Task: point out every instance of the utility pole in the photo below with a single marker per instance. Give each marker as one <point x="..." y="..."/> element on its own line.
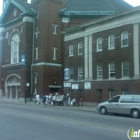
<point x="23" y="63"/>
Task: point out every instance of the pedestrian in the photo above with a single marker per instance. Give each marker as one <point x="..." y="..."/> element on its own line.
<point x="68" y="98"/>
<point x="54" y="97"/>
<point x="47" y="99"/>
<point x="44" y="99"/>
<point x="51" y="99"/>
<point x="37" y="99"/>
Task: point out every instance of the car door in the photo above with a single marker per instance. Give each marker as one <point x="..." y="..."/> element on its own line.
<point x="112" y="106"/>
<point x="125" y="104"/>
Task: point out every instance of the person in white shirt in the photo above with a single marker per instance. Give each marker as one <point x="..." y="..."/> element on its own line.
<point x="37" y="99"/>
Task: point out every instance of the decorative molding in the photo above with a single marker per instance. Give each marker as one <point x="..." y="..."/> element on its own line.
<point x="104" y="24"/>
<point x="47" y="64"/>
<point x="11" y="65"/>
<point x="27" y="19"/>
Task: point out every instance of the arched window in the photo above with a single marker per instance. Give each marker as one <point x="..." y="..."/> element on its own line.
<point x="15" y="49"/>
<point x="71" y="50"/>
<point x="124" y="39"/>
<point x="80" y="48"/>
<point x="111" y="42"/>
<point x="99" y="44"/>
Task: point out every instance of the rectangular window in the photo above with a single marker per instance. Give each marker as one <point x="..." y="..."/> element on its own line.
<point x="80" y="48"/>
<point x="99" y="71"/>
<point x="112" y="70"/>
<point x="124" y="42"/>
<point x="111" y="93"/>
<point x="71" y="73"/>
<point x="125" y="91"/>
<point x="80" y="73"/>
<point x="125" y="69"/>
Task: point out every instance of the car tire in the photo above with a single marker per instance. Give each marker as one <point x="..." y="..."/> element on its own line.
<point x="103" y="110"/>
<point x="135" y="113"/>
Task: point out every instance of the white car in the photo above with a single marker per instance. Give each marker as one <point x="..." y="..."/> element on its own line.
<point x="121" y="104"/>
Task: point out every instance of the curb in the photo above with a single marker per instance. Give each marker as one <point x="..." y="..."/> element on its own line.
<point x="85" y="108"/>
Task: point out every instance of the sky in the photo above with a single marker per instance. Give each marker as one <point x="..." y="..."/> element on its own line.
<point x="132" y="2"/>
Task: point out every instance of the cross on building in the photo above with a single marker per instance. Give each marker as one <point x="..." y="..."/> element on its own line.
<point x="36" y="33"/>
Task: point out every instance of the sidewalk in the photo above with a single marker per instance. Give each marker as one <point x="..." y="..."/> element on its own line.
<point x="32" y="103"/>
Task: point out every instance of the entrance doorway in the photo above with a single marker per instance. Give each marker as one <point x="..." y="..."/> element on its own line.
<point x="54" y="90"/>
<point x="12" y="87"/>
<point x="99" y="92"/>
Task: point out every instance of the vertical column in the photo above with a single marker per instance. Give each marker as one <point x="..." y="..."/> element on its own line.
<point x="86" y="57"/>
<point x="10" y="92"/>
<point x="136" y="50"/>
<point x="90" y="58"/>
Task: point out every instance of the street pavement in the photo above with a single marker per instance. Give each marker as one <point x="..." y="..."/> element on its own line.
<point x="32" y="103"/>
<point x="29" y="121"/>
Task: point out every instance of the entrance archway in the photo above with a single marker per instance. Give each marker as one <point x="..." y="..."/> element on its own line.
<point x="12" y="87"/>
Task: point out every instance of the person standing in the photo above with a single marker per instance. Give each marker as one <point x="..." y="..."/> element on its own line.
<point x="47" y="99"/>
<point x="37" y="99"/>
<point x="54" y="97"/>
<point x="44" y="99"/>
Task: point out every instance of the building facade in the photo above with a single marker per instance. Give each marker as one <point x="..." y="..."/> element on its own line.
<point x="32" y="46"/>
<point x="102" y="57"/>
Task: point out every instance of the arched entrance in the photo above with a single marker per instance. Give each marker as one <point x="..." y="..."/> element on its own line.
<point x="12" y="87"/>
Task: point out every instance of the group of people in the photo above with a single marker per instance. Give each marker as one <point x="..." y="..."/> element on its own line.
<point x="54" y="99"/>
<point x="58" y="100"/>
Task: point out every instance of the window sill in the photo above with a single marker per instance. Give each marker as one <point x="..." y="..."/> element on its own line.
<point x="98" y="50"/>
<point x="111" y="78"/>
<point x="111" y="48"/>
<point x="54" y="33"/>
<point x="80" y="54"/>
<point x="124" y="46"/>
<point x="125" y="77"/>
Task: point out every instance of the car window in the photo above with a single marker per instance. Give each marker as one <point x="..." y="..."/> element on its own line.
<point x="115" y="99"/>
<point x="126" y="99"/>
<point x="136" y="99"/>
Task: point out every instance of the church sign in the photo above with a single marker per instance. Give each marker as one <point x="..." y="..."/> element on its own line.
<point x="67" y="84"/>
<point x="74" y="86"/>
<point x="87" y="85"/>
<point x="66" y="74"/>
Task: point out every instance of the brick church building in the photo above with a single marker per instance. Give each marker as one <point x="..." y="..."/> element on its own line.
<point x="33" y="56"/>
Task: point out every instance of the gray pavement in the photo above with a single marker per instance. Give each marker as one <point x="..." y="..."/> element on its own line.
<point x="32" y="103"/>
